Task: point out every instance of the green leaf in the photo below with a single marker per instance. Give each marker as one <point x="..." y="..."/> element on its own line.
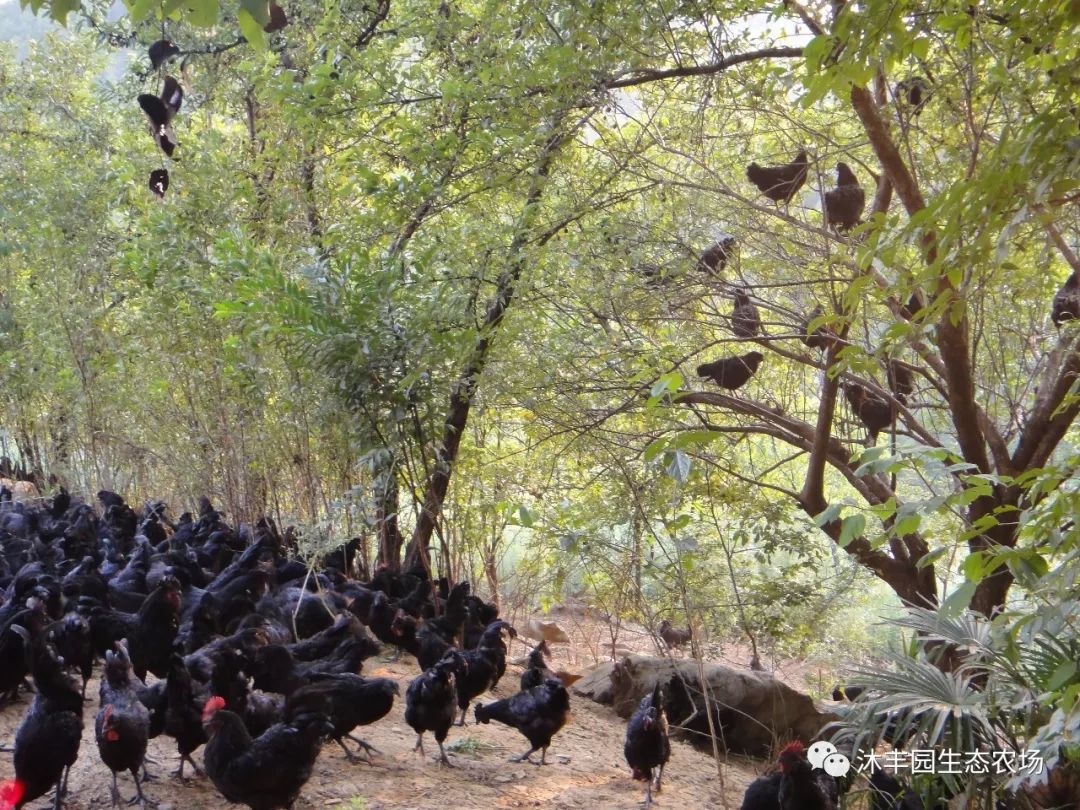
<point x="252" y="29"/>
<point x="932" y="557"/>
<point x="1062" y="675"/>
<point x="678" y="466"/>
<point x="974" y="566"/>
<point x="831" y="513"/>
<point x="59" y="9"/>
<point x="258" y="9"/>
<point x="958" y="600"/>
<point x="851" y="529"/>
<point x="203" y="13"/>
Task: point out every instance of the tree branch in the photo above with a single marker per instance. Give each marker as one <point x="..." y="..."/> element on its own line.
<point x="656" y="75"/>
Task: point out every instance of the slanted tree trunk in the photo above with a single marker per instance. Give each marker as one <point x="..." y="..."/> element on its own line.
<point x="464" y="389"/>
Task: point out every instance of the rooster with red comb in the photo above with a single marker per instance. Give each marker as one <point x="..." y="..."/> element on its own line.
<point x="266" y="772"/>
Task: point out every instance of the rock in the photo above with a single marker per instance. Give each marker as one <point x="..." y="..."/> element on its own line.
<point x="750" y="709"/>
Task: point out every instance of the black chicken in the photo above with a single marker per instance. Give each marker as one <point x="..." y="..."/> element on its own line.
<point x="845" y="203"/>
<point x="715" y="258"/>
<point x="803" y="787"/>
<point x="351" y="701"/>
<point x="745" y="319"/>
<point x="871" y="410"/>
<point x="821" y="337"/>
<point x="278" y="19"/>
<point x="160" y="110"/>
<point x="47" y="742"/>
<point x="913" y="92"/>
<point x="159" y="182"/>
<point x="537" y="671"/>
<point x="482" y="665"/>
<point x="122" y="726"/>
<point x="901" y="380"/>
<point x="763" y="793"/>
<point x="538" y="714"/>
<point x="732" y="372"/>
<point x="71" y="638"/>
<point x="647" y="748"/>
<point x="183" y="713"/>
<point x="841" y="692"/>
<point x="673" y="637"/>
<point x="888" y="793"/>
<point x="150" y="632"/>
<point x="780" y="183"/>
<point x="161" y="52"/>
<point x="431" y="699"/>
<point x="266" y="772"/>
<point x="1067" y="301"/>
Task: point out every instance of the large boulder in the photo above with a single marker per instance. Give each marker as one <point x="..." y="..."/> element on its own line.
<point x="750" y="710"/>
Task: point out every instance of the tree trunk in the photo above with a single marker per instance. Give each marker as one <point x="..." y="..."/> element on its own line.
<point x="461" y="397"/>
<point x="385" y="490"/>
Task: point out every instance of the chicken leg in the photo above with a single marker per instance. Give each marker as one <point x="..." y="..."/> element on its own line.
<point x="442" y="757"/>
<point x="527" y="756"/>
<point x="368" y="747"/>
<point x="349" y="755"/>
<point x="139" y="798"/>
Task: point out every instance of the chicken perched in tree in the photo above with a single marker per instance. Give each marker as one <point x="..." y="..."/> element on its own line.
<point x="780" y="183"/>
<point x="159" y="182"/>
<point x="160" y="110"/>
<point x="161" y="52"/>
<point x="351" y="701"/>
<point x="821" y="337"/>
<point x="122" y="726"/>
<point x="431" y="699"/>
<point x="913" y="306"/>
<point x="647" y="748"/>
<point x="47" y="742"/>
<point x="871" y="410"/>
<point x="803" y="787"/>
<point x="914" y="92"/>
<point x="715" y="258"/>
<point x="845" y="203"/>
<point x="745" y="319"/>
<point x="538" y="714"/>
<point x="1067" y="301"/>
<point x="901" y="380"/>
<point x="266" y="772"/>
<point x="732" y="372"/>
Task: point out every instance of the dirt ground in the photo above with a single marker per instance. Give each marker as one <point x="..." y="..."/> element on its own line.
<point x="585" y="766"/>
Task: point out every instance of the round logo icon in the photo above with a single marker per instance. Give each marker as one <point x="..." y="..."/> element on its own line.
<point x="817" y="752"/>
<point x="837" y="765"/>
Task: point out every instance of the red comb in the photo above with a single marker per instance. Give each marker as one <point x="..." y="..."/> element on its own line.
<point x="11" y="794"/>
<point x="212" y="705"/>
<point x="795" y="747"/>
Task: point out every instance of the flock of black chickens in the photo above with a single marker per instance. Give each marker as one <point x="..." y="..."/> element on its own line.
<point x="876" y="408"/>
<point x="255" y="656"/>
